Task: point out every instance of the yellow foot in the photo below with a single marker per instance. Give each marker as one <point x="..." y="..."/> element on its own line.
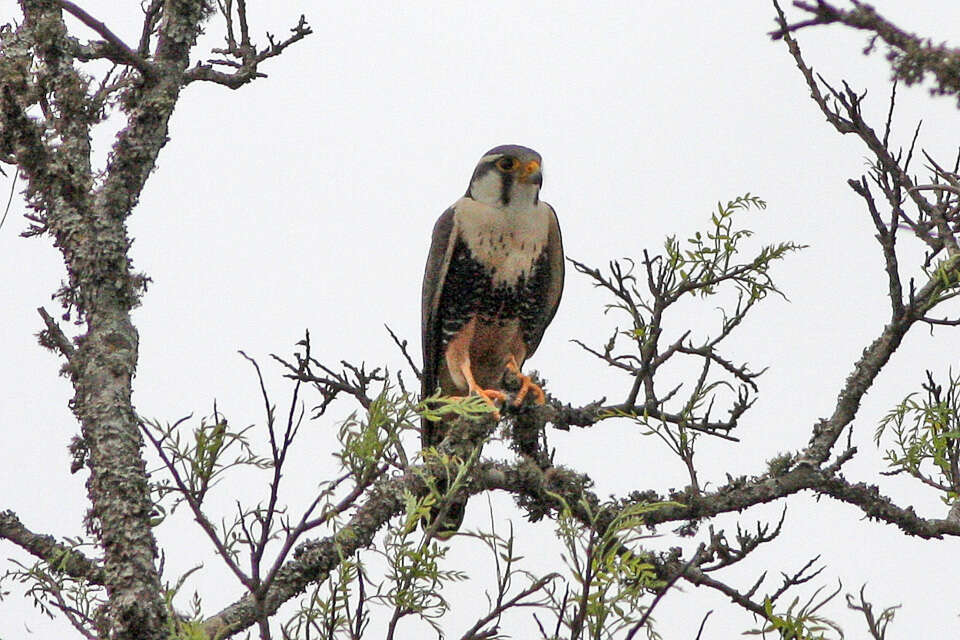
<point x="526" y="385"/>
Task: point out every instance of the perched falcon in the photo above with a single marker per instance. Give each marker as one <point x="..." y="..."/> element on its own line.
<point x="492" y="284"/>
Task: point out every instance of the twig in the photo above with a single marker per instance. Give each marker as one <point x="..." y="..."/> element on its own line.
<point x="516" y="601"/>
<point x="127" y="55"/>
<point x="198" y="513"/>
<point x="694" y="576"/>
<point x="403" y="349"/>
<point x="57" y="337"/>
<point x="149" y="24"/>
<point x="13" y="186"/>
<point x="911" y="57"/>
<point x="248" y="69"/>
<point x="887" y="239"/>
<point x="703" y="624"/>
<point x="662" y="592"/>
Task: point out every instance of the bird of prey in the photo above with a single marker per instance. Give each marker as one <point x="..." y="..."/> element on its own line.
<point x="492" y="284"/>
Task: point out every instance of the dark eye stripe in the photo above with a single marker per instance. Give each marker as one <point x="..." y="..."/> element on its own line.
<point x="505" y="185"/>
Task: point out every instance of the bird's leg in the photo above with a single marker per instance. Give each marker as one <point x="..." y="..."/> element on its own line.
<point x="526" y="385"/>
<point x="458" y="361"/>
<point x="490" y="395"/>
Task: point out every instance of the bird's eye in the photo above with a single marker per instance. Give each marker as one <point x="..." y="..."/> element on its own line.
<point x="506" y="164"/>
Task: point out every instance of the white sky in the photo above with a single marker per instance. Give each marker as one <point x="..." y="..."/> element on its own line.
<point x="306" y="201"/>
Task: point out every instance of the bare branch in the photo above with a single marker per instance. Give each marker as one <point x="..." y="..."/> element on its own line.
<point x="877" y="625"/>
<point x="695" y="576"/>
<point x="125" y="55"/>
<point x="402" y="345"/>
<point x="877" y="354"/>
<point x="887" y="239"/>
<point x="474" y="632"/>
<point x="248" y="69"/>
<point x="150" y="18"/>
<point x="946" y="322"/>
<point x="565" y="416"/>
<point x="54" y="336"/>
<point x="851" y="121"/>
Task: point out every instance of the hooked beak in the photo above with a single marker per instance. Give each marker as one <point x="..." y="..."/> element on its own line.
<point x="531" y="173"/>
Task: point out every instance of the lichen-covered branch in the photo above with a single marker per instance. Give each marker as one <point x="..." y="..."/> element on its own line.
<point x="46" y="96"/>
<point x="911" y="57"/>
<point x="542" y="492"/>
<point x="121" y="52"/>
<point x="62" y="558"/>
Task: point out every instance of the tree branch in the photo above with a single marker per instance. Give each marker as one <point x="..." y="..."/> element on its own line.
<point x="59" y="557"/>
<point x="912" y="57"/>
<point x="54" y="336"/>
<point x="125" y="55"/>
<point x="248" y="69"/>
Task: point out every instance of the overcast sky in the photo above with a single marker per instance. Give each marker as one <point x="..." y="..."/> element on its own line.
<point x="306" y="200"/>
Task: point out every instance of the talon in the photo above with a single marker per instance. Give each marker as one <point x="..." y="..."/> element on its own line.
<point x="491" y="396"/>
<point x="526" y="385"/>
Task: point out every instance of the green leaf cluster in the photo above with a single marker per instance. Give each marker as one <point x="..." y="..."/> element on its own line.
<point x="610" y="574"/>
<point x="707" y="259"/>
<point x="367" y="440"/>
<point x="201" y="456"/>
<point x="800" y="621"/>
<point x="328" y="611"/>
<point x="437" y="407"/>
<point x="925" y="429"/>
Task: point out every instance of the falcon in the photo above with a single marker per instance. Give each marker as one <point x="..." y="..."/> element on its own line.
<point x="491" y="286"/>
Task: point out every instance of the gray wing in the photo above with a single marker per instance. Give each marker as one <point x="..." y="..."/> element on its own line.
<point x="554" y="289"/>
<point x="441" y="248"/>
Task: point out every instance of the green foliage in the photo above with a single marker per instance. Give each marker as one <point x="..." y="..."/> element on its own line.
<point x="436" y="407"/>
<point x="926" y="436"/>
<point x="54" y="592"/>
<point x="342" y="607"/>
<point x="414" y="578"/>
<point x="365" y="442"/>
<point x="184" y="626"/>
<point x="328" y="611"/>
<point x="800" y="623"/>
<point x="610" y="577"/>
<point x="707" y="264"/>
<point x="201" y="458"/>
<point x="946" y="274"/>
<point x="454" y="470"/>
<point x="707" y="259"/>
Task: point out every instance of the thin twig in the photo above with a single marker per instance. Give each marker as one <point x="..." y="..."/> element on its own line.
<point x="127" y="55"/>
<point x="13" y="186"/>
<point x="662" y="592"/>
<point x="403" y="349"/>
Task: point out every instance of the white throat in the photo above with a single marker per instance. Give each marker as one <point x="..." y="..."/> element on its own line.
<point x="507" y="239"/>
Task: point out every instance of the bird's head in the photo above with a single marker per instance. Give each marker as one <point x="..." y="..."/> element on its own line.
<point x="507" y="176"/>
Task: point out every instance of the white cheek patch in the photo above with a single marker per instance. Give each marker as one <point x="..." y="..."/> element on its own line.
<point x="487" y="188"/>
